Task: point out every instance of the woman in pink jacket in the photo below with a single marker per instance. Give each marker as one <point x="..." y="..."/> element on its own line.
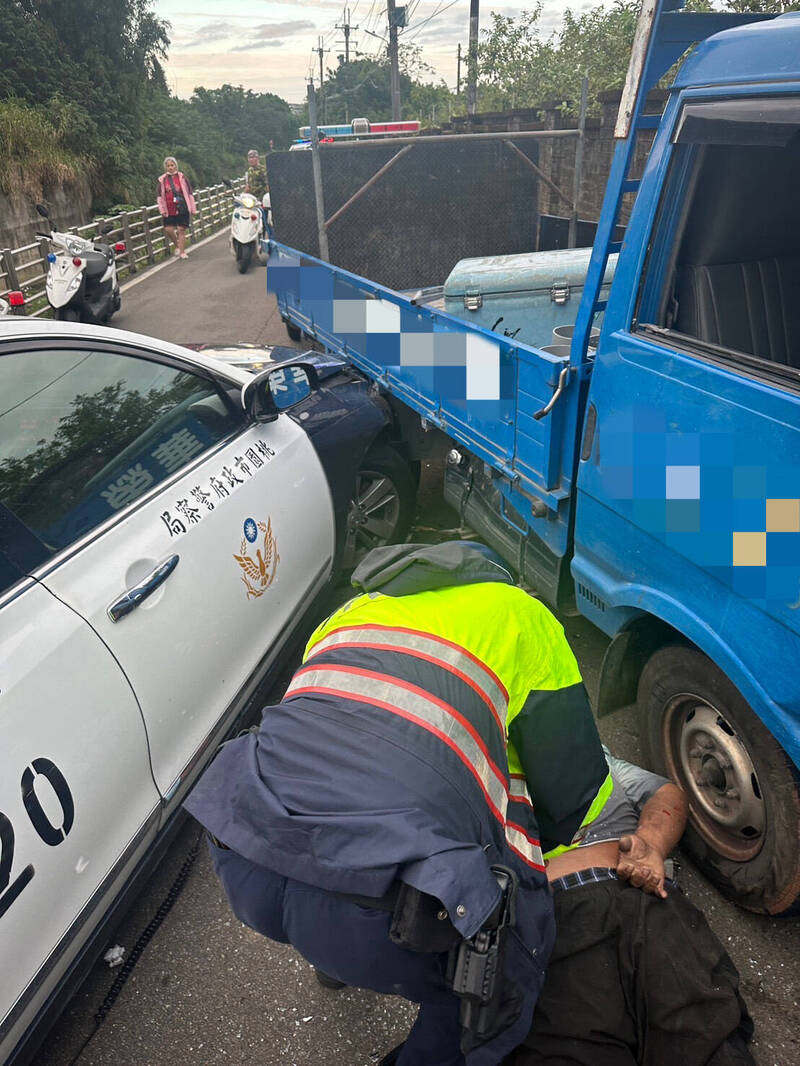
<point x="176" y="204"/>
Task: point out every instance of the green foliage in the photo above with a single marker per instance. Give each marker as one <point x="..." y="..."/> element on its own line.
<point x="362" y="88"/>
<point x="82" y="89"/>
<point x="525" y="69"/>
<point x="760" y="7"/>
<point x="37" y="151"/>
<point x="518" y="67"/>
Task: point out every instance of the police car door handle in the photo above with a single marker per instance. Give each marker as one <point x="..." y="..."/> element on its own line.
<point x="133" y="597"/>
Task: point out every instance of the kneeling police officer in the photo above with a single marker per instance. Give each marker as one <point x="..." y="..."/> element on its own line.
<point x="388" y="817"/>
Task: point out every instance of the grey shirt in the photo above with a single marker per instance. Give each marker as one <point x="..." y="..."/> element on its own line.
<point x="633" y="787"/>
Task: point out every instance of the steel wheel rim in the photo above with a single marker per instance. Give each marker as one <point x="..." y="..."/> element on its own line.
<point x="705" y="755"/>
<point x="373" y="514"/>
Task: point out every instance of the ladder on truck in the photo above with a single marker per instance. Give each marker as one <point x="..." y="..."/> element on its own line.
<point x="664" y="31"/>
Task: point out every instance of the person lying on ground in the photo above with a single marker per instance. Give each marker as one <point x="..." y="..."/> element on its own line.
<point x="636" y="977"/>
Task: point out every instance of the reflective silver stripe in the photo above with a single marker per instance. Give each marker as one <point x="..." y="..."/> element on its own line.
<point x="518" y="789"/>
<point x="526" y="847"/>
<point x="435" y="649"/>
<point x="414" y="704"/>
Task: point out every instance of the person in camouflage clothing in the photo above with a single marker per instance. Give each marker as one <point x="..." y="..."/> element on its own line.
<point x="256" y="176"/>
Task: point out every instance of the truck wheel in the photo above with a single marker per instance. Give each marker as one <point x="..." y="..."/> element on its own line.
<point x="382" y="505"/>
<point x="744" y="802"/>
<point x="66" y="314"/>
<point x="243" y="258"/>
<point x="295" y="333"/>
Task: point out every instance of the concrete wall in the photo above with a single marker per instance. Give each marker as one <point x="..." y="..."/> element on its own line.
<point x="557" y="157"/>
<point x="70" y="205"/>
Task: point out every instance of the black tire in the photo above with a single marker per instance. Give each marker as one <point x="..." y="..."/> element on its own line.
<point x="244" y="256"/>
<point x="381" y="508"/>
<point x="744" y="802"/>
<point x="294" y="332"/>
<point x="66" y="314"/>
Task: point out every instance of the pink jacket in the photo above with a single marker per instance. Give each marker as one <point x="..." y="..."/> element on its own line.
<point x="185" y="189"/>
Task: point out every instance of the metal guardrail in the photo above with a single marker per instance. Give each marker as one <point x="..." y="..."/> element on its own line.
<point x="141" y="231"/>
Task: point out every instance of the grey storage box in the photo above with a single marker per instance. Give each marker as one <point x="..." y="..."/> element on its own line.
<point x="531" y="292"/>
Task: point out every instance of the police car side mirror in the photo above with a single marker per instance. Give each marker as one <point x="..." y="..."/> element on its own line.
<point x="278" y="389"/>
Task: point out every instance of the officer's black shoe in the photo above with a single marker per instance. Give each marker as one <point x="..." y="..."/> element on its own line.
<point x="328" y="982"/>
<point x="392" y="1057"/>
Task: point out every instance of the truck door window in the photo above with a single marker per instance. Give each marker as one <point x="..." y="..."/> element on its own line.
<point x="727" y="286"/>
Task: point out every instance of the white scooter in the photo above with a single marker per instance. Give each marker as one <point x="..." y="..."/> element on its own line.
<point x="82" y="283"/>
<point x="247" y="229"/>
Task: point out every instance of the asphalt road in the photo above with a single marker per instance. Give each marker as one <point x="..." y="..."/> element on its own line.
<point x="206" y="989"/>
<point x="201" y="299"/>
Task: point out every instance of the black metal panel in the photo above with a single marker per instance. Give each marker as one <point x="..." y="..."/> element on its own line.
<point x="438" y="204"/>
<point x="554" y="233"/>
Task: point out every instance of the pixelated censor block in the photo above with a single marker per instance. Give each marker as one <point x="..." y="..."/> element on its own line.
<point x="431" y="356"/>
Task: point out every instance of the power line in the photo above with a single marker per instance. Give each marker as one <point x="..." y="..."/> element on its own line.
<point x="439" y="10"/>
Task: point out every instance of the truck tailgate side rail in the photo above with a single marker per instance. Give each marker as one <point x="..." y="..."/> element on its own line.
<point x="459" y="377"/>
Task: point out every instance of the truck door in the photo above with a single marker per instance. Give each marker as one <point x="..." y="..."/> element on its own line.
<point x="689" y="497"/>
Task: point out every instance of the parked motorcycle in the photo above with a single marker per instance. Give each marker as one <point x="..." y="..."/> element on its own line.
<point x="247" y="229"/>
<point x="82" y="283"/>
<point x="13" y="303"/>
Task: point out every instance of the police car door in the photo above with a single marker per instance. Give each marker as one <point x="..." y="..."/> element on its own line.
<point x="78" y="806"/>
<point x="190" y="538"/>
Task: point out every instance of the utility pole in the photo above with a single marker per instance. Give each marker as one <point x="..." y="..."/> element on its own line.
<point x="346" y="28"/>
<point x="319" y="200"/>
<point x="393" y="62"/>
<point x="321" y="52"/>
<point x="458" y="70"/>
<point x="472" y="58"/>
<point x="578" y="174"/>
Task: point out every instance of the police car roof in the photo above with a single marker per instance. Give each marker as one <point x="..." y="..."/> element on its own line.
<point x="15" y="327"/>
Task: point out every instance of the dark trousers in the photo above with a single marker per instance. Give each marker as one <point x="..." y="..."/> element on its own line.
<point x="636" y="981"/>
<point x="351" y="943"/>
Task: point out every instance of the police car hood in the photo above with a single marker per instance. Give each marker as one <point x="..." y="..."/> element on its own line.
<point x="403" y="569"/>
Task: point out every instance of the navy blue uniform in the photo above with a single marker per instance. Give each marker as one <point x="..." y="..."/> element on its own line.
<point x="387" y="762"/>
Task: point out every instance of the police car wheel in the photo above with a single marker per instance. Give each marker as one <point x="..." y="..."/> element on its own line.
<point x="381" y="507"/>
<point x="744" y="793"/>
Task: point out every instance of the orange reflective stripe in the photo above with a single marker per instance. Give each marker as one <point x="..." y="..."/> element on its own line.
<point x="431" y="648"/>
<point x="435" y="716"/>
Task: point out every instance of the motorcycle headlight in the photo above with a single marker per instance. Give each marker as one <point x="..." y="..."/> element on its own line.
<point x="74" y="247"/>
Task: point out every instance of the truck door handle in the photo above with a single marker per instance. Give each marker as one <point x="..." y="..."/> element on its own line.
<point x="562" y="380"/>
<point x="133" y="597"/>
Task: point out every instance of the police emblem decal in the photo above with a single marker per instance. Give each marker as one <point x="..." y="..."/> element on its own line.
<point x="258" y="573"/>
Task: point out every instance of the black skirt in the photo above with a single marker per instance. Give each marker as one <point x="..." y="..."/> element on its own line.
<point x="181" y="219"/>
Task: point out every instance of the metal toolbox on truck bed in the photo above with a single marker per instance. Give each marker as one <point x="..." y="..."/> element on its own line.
<point x="531" y="292"/>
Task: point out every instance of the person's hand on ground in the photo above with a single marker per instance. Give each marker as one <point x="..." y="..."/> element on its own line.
<point x="642" y="864"/>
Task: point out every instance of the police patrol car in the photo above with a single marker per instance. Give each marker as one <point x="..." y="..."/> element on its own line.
<point x="167" y="518"/>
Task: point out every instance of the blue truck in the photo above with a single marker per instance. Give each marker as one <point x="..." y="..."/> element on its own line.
<point x="652" y="483"/>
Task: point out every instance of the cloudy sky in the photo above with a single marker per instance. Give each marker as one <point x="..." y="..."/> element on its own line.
<point x="266" y="45"/>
